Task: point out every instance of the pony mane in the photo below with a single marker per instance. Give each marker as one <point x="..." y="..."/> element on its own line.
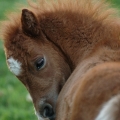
<point x="97" y="10"/>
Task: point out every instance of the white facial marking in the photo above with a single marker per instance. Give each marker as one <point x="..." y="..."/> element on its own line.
<point x="111" y="109"/>
<point x="14" y="66"/>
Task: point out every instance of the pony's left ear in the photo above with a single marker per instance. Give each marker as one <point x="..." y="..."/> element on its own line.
<point x="30" y="23"/>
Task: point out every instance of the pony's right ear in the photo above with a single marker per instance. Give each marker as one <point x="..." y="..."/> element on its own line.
<point x="30" y="23"/>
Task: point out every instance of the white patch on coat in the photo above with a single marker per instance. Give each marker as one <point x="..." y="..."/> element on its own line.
<point x="14" y="66"/>
<point x="111" y="109"/>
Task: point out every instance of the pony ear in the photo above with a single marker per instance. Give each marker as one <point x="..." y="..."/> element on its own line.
<point x="30" y="23"/>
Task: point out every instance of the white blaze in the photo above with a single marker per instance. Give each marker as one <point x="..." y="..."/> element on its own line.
<point x="111" y="109"/>
<point x="14" y="66"/>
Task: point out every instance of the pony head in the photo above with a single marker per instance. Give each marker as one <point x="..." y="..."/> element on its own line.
<point x="36" y="61"/>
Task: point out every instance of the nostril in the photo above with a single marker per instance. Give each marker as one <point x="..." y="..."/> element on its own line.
<point x="47" y="111"/>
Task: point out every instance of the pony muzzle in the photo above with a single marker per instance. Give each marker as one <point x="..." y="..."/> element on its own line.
<point x="46" y="111"/>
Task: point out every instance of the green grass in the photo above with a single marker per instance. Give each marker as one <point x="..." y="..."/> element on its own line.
<point x="13" y="103"/>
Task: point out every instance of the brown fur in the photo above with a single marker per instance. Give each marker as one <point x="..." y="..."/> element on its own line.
<point x="85" y="99"/>
<point x="74" y="35"/>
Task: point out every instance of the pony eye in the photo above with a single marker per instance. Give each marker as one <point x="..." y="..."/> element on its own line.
<point x="40" y="63"/>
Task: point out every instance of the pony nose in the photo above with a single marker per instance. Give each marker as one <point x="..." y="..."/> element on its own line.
<point x="47" y="111"/>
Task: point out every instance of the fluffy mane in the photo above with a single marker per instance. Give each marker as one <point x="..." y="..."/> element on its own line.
<point x="97" y="10"/>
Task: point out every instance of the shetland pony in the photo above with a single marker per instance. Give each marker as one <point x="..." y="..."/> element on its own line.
<point x="50" y="43"/>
